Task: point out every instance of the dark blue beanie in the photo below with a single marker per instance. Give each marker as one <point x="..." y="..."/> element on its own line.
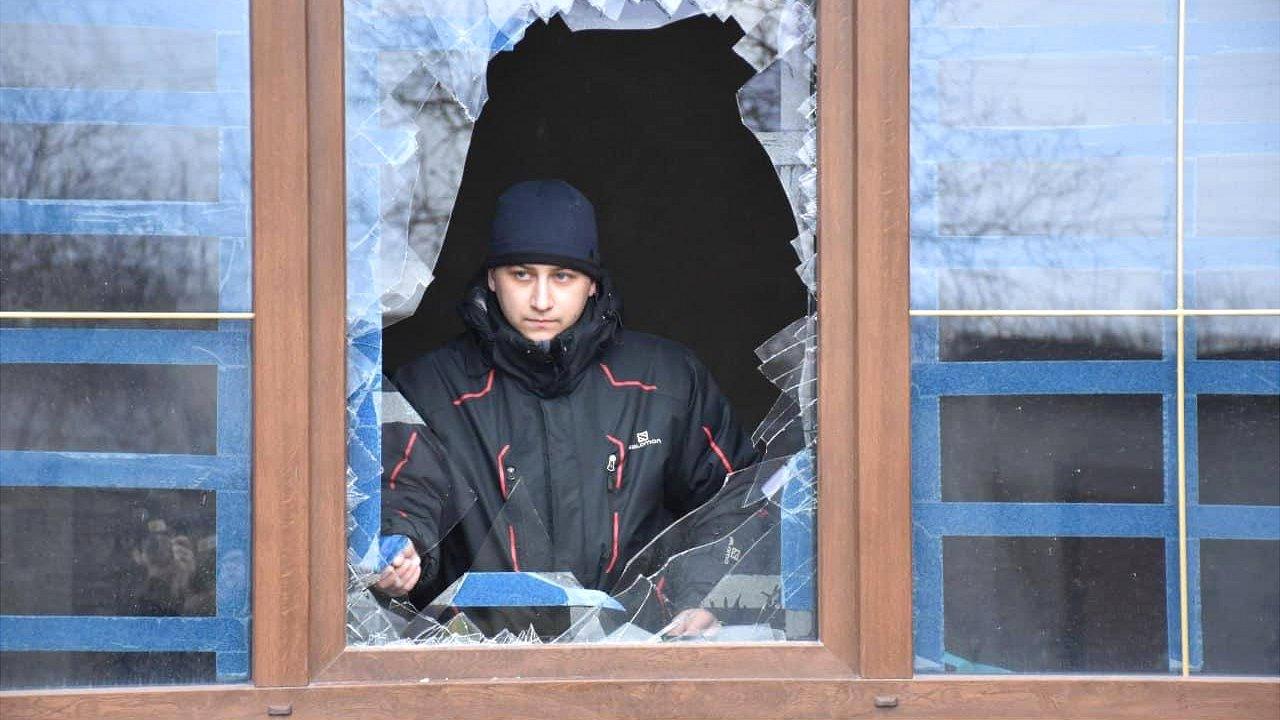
<point x="544" y="221"/>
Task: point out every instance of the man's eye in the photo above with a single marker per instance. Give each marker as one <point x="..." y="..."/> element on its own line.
<point x="520" y="274"/>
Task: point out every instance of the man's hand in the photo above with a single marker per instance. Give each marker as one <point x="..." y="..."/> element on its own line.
<point x="402" y="574"/>
<point x="692" y="623"/>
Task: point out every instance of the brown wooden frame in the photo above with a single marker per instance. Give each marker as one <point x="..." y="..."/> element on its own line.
<point x="862" y="665"/>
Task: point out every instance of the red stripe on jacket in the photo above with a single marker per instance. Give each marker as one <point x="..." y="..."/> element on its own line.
<point x="511" y="539"/>
<point x="472" y="396"/>
<point x="716" y="449"/>
<point x="408" y="450"/>
<point x="613" y="559"/>
<point x="502" y="470"/>
<point x="625" y="383"/>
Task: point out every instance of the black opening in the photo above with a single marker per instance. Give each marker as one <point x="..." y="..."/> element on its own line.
<point x="694" y="223"/>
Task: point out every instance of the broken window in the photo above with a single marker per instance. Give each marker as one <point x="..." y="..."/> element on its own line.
<point x="691" y="128"/>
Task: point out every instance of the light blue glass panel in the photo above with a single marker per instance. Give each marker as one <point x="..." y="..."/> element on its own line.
<point x="1042" y="146"/>
<point x="1233" y="154"/>
<point x="125" y="119"/>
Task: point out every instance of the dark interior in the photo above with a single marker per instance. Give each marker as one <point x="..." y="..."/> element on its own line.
<point x="694" y="223"/>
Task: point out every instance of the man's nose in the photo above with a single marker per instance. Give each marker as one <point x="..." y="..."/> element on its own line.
<point x="541" y="300"/>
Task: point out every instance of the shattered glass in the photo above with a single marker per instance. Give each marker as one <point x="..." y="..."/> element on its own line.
<point x="416" y="84"/>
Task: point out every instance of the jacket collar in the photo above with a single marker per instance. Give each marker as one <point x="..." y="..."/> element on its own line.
<point x="546" y="370"/>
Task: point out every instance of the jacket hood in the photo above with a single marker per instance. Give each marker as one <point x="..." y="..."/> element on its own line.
<point x="547" y="369"/>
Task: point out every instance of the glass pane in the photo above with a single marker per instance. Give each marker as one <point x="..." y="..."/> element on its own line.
<point x="1233" y="487"/>
<point x="124" y="444"/>
<point x="614" y="492"/>
<point x="1236" y="338"/>
<point x="1232" y="165"/>
<point x="1045" y="177"/>
<point x="82" y="407"/>
<point x="1052" y="604"/>
<point x="976" y="339"/>
<point x="108" y="272"/>
<point x="1042" y="149"/>
<point x="47" y="161"/>
<point x="128" y="552"/>
<point x="1241" y="591"/>
<point x="108" y="58"/>
<point x="126" y="452"/>
<point x="1044" y="491"/>
<point x="1052" y="448"/>
<point x="125" y="184"/>
<point x="39" y="670"/>
<point x="1238" y="454"/>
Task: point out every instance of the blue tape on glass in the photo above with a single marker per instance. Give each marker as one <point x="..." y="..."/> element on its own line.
<point x="798" y="504"/>
<point x="389" y="546"/>
<point x="520" y="589"/>
<point x="40" y="105"/>
<point x="191" y="15"/>
<point x="123" y="634"/>
<point x="110" y="217"/>
<point x="1047" y="519"/>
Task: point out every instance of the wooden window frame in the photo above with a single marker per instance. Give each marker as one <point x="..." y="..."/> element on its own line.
<point x="862" y="664"/>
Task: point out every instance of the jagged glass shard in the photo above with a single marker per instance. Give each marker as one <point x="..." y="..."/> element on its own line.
<point x="759" y="47"/>
<point x="416" y="82"/>
<point x="612" y="9"/>
<point x="748" y="13"/>
<point x="710" y="7"/>
<point x="629" y="633"/>
<point x="804" y="246"/>
<point x="670" y="6"/>
<point x="768" y="478"/>
<point x="785" y="411"/>
<point x="808" y="272"/>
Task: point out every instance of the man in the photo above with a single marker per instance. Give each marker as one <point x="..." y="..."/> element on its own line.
<point x="555" y="440"/>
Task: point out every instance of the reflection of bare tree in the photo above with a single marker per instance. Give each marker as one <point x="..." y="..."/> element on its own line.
<point x="102" y="162"/>
<point x="108" y="162"/>
<point x="1046" y="213"/>
<point x="116" y="408"/>
<point x="1038" y="220"/>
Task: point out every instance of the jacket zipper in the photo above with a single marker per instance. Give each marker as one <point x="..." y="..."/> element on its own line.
<point x="550" y="484"/>
<point x="613" y="470"/>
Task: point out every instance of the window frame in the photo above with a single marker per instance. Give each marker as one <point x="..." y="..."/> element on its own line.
<point x="862" y="663"/>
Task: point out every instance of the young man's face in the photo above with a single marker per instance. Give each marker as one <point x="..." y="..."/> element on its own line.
<point x="541" y="301"/>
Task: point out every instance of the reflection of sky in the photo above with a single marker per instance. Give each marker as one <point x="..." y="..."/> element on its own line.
<point x="1043" y="137"/>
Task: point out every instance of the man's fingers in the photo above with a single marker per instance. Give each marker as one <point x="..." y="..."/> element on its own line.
<point x="694" y="621"/>
<point x="402" y="573"/>
<point x="387" y="581"/>
<point x="410" y="567"/>
<point x="412" y="579"/>
<point x="700" y="622"/>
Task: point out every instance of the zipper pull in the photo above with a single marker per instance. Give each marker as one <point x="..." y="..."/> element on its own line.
<point x="612" y="464"/>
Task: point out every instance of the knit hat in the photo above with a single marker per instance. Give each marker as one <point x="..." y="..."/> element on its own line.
<point x="544" y="221"/>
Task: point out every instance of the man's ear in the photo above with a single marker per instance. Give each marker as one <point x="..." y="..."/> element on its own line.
<point x="493" y="287"/>
<point x="593" y="289"/>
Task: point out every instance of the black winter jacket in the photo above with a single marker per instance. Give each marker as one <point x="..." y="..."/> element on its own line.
<point x="572" y="456"/>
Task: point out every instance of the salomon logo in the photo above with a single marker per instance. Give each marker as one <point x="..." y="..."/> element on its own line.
<point x="643" y="439"/>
